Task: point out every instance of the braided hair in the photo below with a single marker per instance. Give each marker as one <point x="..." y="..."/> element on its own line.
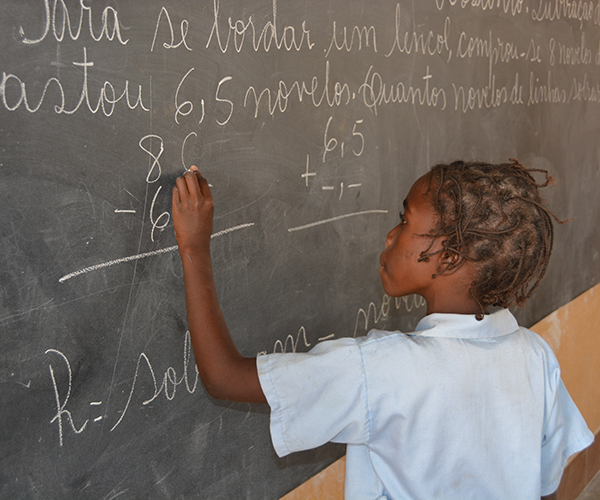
<point x="493" y="216"/>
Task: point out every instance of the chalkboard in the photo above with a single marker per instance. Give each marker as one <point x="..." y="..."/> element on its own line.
<point x="311" y="120"/>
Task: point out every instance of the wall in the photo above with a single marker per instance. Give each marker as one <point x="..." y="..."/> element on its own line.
<point x="572" y="331"/>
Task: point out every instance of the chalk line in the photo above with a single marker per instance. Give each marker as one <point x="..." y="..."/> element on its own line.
<point x="143" y="255"/>
<point x="333" y="219"/>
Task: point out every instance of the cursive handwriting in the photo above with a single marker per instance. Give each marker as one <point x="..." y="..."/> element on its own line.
<point x="169" y="382"/>
<point x="13" y="92"/>
<point x="164" y="14"/>
<point x="365" y="35"/>
<point x="336" y="94"/>
<point x="375" y="92"/>
<point x="61" y="402"/>
<point x="418" y="43"/>
<point x="288" y="38"/>
<point x="554" y="10"/>
<point x="110" y="25"/>
<point x="365" y="319"/>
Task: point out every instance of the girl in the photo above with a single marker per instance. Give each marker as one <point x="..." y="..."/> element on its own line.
<point x="470" y="405"/>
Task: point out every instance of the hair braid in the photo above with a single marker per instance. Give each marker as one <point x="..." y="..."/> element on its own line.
<point x="493" y="216"/>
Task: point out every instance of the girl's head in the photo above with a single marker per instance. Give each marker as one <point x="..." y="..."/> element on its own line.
<point x="493" y="217"/>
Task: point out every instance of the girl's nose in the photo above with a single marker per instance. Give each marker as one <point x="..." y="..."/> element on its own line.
<point x="391" y="236"/>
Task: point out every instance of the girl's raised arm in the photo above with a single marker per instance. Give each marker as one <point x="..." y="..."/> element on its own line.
<point x="225" y="373"/>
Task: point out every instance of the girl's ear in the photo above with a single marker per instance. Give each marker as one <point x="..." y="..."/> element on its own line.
<point x="449" y="262"/>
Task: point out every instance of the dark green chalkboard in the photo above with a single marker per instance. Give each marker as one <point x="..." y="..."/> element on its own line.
<point x="311" y="120"/>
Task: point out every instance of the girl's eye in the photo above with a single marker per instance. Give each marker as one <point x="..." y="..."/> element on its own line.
<point x="402" y="219"/>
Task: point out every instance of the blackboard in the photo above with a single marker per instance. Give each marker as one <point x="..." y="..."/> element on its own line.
<point x="311" y="120"/>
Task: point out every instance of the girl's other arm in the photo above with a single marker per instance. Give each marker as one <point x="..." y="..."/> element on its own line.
<point x="225" y="373"/>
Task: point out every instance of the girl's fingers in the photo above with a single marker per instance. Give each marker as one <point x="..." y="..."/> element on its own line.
<point x="181" y="186"/>
<point x="191" y="184"/>
<point x="191" y="180"/>
<point x="204" y="187"/>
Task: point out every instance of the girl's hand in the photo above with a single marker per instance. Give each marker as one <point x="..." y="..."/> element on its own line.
<point x="193" y="209"/>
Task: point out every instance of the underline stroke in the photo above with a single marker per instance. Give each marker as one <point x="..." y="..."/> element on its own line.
<point x="143" y="255"/>
<point x="130" y="258"/>
<point x="333" y="219"/>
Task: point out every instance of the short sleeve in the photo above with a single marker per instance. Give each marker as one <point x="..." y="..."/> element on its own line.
<point x="315" y="397"/>
<point x="565" y="433"/>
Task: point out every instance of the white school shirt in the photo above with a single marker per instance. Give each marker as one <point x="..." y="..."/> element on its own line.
<point x="460" y="409"/>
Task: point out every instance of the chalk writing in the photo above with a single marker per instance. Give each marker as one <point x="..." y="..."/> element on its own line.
<point x="186" y="107"/>
<point x="418" y="43"/>
<point x="492" y="48"/>
<point x="155" y="170"/>
<point x="512" y="7"/>
<point x="107" y="99"/>
<point x="490" y="95"/>
<point x="291" y="344"/>
<point x="583" y="90"/>
<point x="376" y="93"/>
<point x="183" y="162"/>
<point x="61" y="402"/>
<point x="546" y="91"/>
<point x="570" y="55"/>
<point x="110" y="26"/>
<point x="372" y="315"/>
<point x="145" y="255"/>
<point x="307" y="174"/>
<point x="334" y="219"/>
<point x="227" y="102"/>
<point x="554" y="10"/>
<point x="289" y="38"/>
<point x="331" y="95"/>
<point x="165" y="217"/>
<point x="342" y="185"/>
<point x="331" y="143"/>
<point x="164" y="14"/>
<point x="533" y="53"/>
<point x="169" y="383"/>
<point x="367" y="318"/>
<point x="364" y="35"/>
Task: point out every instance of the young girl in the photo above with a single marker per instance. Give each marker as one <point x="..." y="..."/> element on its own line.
<point x="470" y="405"/>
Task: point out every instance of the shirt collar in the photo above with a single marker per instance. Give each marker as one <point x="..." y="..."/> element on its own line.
<point x="466" y="326"/>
